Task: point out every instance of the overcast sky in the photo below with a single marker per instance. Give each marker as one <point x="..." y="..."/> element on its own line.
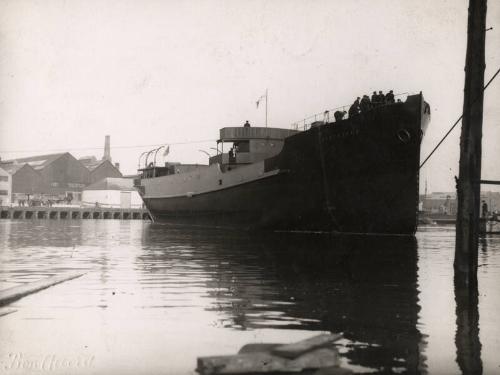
<point x="152" y="72"/>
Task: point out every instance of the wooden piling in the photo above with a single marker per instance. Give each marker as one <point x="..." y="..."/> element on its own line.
<point x="468" y="193"/>
<point x="467" y="342"/>
<point x="468" y="187"/>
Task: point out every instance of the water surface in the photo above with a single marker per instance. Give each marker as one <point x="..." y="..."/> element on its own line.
<point x="156" y="297"/>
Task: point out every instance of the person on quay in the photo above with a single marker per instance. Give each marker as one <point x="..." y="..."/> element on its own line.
<point x="484" y="208"/>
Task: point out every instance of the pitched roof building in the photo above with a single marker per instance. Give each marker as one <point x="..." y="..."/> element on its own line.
<point x="58" y="174"/>
<point x="24" y="179"/>
<point x="100" y="169"/>
<point x="53" y="174"/>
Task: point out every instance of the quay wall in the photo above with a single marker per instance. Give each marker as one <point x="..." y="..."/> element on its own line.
<point x="68" y="213"/>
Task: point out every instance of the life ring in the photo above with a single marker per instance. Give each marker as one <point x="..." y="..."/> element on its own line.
<point x="403" y="135"/>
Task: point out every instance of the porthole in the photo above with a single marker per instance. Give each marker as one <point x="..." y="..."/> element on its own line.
<point x="403" y="135"/>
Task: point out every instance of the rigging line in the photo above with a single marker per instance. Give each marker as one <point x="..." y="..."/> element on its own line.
<point x="455" y="124"/>
<point x="113" y="147"/>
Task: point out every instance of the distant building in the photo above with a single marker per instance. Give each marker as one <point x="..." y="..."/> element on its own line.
<point x="446" y="202"/>
<point x="26" y="182"/>
<point x="100" y="169"/>
<point x="442" y="203"/>
<point x="60" y="175"/>
<point x="5" y="188"/>
<point x="56" y="176"/>
<point x="112" y="193"/>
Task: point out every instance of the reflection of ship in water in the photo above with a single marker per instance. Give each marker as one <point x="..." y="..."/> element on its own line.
<point x="366" y="288"/>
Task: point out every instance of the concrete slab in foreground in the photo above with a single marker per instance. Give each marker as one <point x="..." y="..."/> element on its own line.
<point x="12" y="294"/>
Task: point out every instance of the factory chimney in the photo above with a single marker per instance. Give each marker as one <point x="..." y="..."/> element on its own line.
<point x="107" y="150"/>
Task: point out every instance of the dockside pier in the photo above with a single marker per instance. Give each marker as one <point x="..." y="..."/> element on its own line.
<point x="59" y="213"/>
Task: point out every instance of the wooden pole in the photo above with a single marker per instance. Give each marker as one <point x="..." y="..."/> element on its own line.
<point x="467" y="340"/>
<point x="468" y="187"/>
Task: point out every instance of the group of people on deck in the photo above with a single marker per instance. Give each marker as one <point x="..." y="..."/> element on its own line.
<point x="364" y="104"/>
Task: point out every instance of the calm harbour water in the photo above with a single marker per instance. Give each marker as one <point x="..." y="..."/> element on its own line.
<point x="156" y="297"/>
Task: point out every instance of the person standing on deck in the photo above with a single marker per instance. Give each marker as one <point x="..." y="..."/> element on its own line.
<point x="381" y="98"/>
<point x="354" y="109"/>
<point x="389" y="98"/>
<point x="246" y="124"/>
<point x="374" y="99"/>
<point x="365" y="104"/>
<point x="339" y="115"/>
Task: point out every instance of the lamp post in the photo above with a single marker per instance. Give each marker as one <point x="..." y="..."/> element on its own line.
<point x="147" y="157"/>
<point x="156" y="152"/>
<point x="139" y="161"/>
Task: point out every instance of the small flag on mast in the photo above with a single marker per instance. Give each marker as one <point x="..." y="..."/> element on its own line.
<point x="258" y="102"/>
<point x="262" y="97"/>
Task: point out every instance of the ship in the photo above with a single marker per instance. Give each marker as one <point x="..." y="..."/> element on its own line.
<point x="356" y="175"/>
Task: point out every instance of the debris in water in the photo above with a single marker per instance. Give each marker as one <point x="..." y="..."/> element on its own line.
<point x="316" y="355"/>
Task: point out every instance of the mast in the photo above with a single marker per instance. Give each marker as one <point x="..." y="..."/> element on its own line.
<point x="266" y="108"/>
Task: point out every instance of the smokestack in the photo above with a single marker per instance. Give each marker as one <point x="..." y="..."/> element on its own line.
<point x="107" y="149"/>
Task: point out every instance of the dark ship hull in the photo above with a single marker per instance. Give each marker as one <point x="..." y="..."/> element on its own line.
<point x="358" y="175"/>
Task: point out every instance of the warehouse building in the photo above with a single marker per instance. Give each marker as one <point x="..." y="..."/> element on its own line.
<point x="57" y="176"/>
<point x="26" y="182"/>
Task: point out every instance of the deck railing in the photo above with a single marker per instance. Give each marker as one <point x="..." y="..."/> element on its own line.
<point x="327" y="116"/>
